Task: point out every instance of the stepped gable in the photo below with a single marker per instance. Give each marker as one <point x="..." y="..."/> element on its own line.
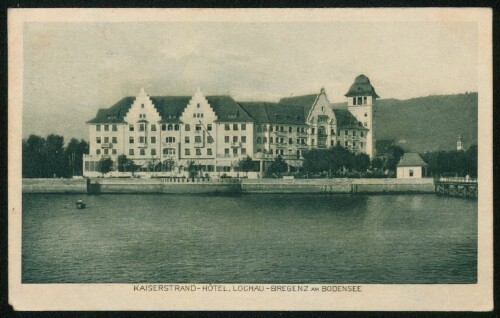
<point x="411" y="159"/>
<point x="361" y="87"/>
<point x="227" y="109"/>
<point x="170" y="107"/>
<point x="115" y="113"/>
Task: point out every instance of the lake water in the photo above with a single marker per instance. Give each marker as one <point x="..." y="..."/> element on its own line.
<point x="257" y="238"/>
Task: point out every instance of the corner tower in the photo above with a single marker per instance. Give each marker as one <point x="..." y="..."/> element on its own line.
<point x="361" y="99"/>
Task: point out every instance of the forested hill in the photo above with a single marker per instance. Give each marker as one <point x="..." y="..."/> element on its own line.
<point x="427" y="123"/>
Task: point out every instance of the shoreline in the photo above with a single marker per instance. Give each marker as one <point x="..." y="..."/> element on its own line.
<point x="219" y="186"/>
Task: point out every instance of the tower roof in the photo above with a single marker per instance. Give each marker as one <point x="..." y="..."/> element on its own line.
<point x="410" y="159"/>
<point x="361" y="87"/>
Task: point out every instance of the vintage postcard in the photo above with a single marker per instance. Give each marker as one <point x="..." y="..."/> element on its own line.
<point x="250" y="159"/>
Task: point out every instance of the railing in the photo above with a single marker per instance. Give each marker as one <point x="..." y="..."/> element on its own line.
<point x="198" y="180"/>
<point x="457" y="179"/>
<point x="107" y="145"/>
<point x="235" y="144"/>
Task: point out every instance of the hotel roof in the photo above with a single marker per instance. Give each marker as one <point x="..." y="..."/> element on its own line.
<point x="361" y="87"/>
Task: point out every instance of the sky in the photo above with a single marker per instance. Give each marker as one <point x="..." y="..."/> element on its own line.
<point x="73" y="69"/>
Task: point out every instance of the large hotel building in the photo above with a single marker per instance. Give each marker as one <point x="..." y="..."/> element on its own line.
<point x="165" y="133"/>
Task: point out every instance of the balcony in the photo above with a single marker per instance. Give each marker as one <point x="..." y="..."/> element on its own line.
<point x="107" y="145"/>
<point x="199" y="144"/>
<point x="236" y="145"/>
<point x="142" y="145"/>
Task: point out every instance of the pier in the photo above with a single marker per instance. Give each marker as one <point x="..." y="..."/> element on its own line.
<point x="457" y="187"/>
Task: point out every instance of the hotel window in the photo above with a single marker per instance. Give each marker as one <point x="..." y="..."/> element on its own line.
<point x="360" y="101"/>
<point x="298" y="141"/>
<point x="347" y="132"/>
<point x="187" y="127"/>
<point x="197" y="127"/>
<point x="114" y="140"/>
<point x="282" y="152"/>
<point x="346" y="143"/>
<point x="209" y="127"/>
<point x="235" y="151"/>
<point x="163" y="127"/>
<point x="235" y="138"/>
<point x="312" y="141"/>
<point x="142" y="105"/>
<point x="141" y="140"/>
<point x="243" y="126"/>
<point x="226" y="127"/>
<point x="106" y="140"/>
<point x="169" y="151"/>
<point x="198" y="105"/>
<point x="313" y="131"/>
<point x="243" y="151"/>
<point x="197" y="139"/>
<point x="264" y="140"/>
<point x="142" y="127"/>
<point x="153" y="152"/>
<point x="106" y="127"/>
<point x="354" y="133"/>
<point x="411" y="173"/>
<point x="170" y="127"/>
<point x="176" y="127"/>
<point x="361" y="145"/>
<point x="264" y="128"/>
<point x="243" y="138"/>
<point x="290" y="129"/>
<point x="194" y="115"/>
<point x="210" y="139"/>
<point x="198" y="151"/>
<point x="98" y="140"/>
<point x="235" y="126"/>
<point x="354" y="144"/>
<point x="365" y="100"/>
<point x="131" y="127"/>
<point x="332" y="132"/>
<point x="331" y="143"/>
<point x="298" y="153"/>
<point x="142" y="152"/>
<point x="366" y="114"/>
<point x="114" y="128"/>
<point x="98" y="151"/>
<point x="98" y="127"/>
<point x="259" y="129"/>
<point x="270" y="151"/>
<point x="226" y="138"/>
<point x="130" y="140"/>
<point x="153" y="127"/>
<point x="209" y="151"/>
<point x="354" y="100"/>
<point x="187" y="152"/>
<point x="271" y="128"/>
<point x="226" y="151"/>
<point x="113" y="151"/>
<point x="290" y="141"/>
<point x="131" y="152"/>
<point x="258" y="150"/>
<point x="170" y="139"/>
<point x="259" y="140"/>
<point x="153" y="140"/>
<point x="271" y="140"/>
<point x="362" y="134"/>
<point x="186" y="139"/>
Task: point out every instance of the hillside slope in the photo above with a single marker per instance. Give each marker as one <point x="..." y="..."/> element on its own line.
<point x="427" y="123"/>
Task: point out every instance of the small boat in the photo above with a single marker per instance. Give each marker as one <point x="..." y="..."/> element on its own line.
<point x="80" y="204"/>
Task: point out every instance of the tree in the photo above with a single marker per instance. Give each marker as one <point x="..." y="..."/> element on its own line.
<point x="34" y="158"/>
<point x="54" y="147"/>
<point x="377" y="163"/>
<point x="394" y="155"/>
<point x="245" y="164"/>
<point x="192" y="169"/>
<point x="121" y="163"/>
<point x="105" y="165"/>
<point x="74" y="156"/>
<point x="277" y="167"/>
<point x="361" y="162"/>
<point x="471" y="161"/>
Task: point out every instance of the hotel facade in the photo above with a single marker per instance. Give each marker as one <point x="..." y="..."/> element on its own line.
<point x="166" y="133"/>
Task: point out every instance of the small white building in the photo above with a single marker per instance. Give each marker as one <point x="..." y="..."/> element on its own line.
<point x="412" y="166"/>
